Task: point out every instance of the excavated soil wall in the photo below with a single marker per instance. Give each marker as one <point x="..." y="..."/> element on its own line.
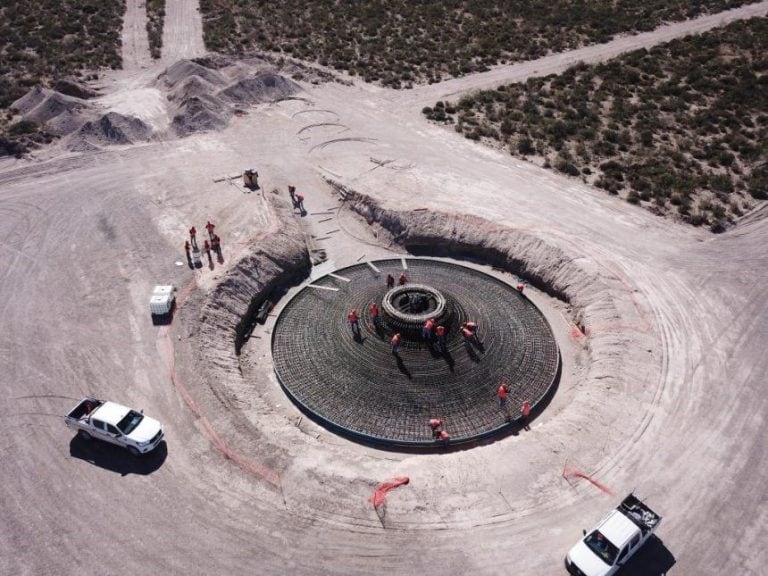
<point x="279" y="257"/>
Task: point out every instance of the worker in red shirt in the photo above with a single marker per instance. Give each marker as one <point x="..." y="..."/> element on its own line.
<point x="373" y="312"/>
<point x="193" y="237"/>
<point x="186" y="248"/>
<point x="426" y="330"/>
<point x="471" y="326"/>
<point x="435" y="424"/>
<point x="390" y="281"/>
<point x="394" y="344"/>
<point x="354" y="322"/>
<point x="525" y="414"/>
<point x="503" y="394"/>
<point x="402" y="280"/>
<point x="300" y="203"/>
<point x="521" y="287"/>
<point x="440" y="334"/>
<point x="216" y="244"/>
<point x="209" y="226"/>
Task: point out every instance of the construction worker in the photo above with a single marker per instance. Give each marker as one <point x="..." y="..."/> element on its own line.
<point x="440" y="334"/>
<point x="444" y="436"/>
<point x="216" y="244"/>
<point x="395" y="344"/>
<point x="292" y="194"/>
<point x="426" y="330"/>
<point x="373" y="312"/>
<point x="434" y="424"/>
<point x="209" y="226"/>
<point x="193" y="237"/>
<point x="521" y="287"/>
<point x="468" y="336"/>
<point x="354" y="322"/>
<point x="300" y="203"/>
<point x="525" y="414"/>
<point x="186" y="248"/>
<point x="402" y="280"/>
<point x="471" y="326"/>
<point x="207" y="249"/>
<point x="503" y="394"/>
<point x="390" y="281"/>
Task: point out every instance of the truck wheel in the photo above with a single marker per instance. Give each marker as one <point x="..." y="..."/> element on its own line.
<point x="134" y="451"/>
<point x="84" y="435"/>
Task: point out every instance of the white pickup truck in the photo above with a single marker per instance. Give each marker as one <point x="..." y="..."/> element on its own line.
<point x="116" y="424"/>
<point x="604" y="550"/>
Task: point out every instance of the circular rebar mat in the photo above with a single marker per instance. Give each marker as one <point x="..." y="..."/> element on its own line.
<point x="357" y="387"/>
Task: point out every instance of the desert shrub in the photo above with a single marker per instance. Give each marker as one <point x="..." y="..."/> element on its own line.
<point x="669" y="124"/>
<point x="155" y="19"/>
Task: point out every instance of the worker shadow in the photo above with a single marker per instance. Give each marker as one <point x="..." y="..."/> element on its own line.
<point x="448" y="359"/>
<point x="220" y="257"/>
<point x="117" y="459"/>
<point x="358" y="337"/>
<point x="473" y="355"/>
<point x="402" y="367"/>
<point x="653" y="559"/>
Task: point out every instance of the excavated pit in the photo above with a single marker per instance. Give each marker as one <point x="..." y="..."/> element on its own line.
<point x="358" y="387"/>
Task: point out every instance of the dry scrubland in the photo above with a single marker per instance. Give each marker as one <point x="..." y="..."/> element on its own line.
<point x="399" y="43"/>
<point x="681" y="129"/>
<point x="46" y="40"/>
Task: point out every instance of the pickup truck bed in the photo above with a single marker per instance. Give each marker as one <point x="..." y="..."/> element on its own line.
<point x="86" y="406"/>
<point x="634" y="509"/>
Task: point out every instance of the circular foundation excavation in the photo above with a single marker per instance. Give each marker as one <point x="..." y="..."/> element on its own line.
<point x="354" y="384"/>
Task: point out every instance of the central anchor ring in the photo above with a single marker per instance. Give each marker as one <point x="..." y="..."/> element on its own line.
<point x="406" y="308"/>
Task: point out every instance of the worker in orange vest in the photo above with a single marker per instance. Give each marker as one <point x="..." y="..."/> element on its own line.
<point x="444" y="436"/>
<point x="426" y="330"/>
<point x="354" y="322"/>
<point x="394" y="343"/>
<point x="503" y="394"/>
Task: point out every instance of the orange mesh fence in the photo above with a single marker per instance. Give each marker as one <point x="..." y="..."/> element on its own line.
<point x="570" y="471"/>
<point x="380" y="494"/>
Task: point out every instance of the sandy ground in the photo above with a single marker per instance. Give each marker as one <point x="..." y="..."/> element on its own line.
<point x="680" y="420"/>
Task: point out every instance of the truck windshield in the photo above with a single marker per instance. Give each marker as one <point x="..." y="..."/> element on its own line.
<point x="129" y="423"/>
<point x="600" y="545"/>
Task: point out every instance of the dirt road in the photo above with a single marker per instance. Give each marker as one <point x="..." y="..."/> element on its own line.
<point x="664" y="398"/>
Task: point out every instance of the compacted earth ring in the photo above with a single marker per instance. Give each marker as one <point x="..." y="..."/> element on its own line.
<point x="355" y="385"/>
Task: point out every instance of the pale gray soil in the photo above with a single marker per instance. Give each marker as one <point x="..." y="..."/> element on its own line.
<point x="664" y="395"/>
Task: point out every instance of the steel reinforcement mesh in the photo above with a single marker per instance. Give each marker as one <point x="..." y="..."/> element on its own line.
<point x="357" y="387"/>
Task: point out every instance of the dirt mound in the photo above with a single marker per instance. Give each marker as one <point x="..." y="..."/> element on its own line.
<point x="184" y="69"/>
<point x="201" y="113"/>
<point x="71" y="87"/>
<point x="66" y="122"/>
<point x="111" y="128"/>
<point x="261" y="88"/>
<point x="190" y="88"/>
<point x="30" y="99"/>
<point x="58" y="113"/>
